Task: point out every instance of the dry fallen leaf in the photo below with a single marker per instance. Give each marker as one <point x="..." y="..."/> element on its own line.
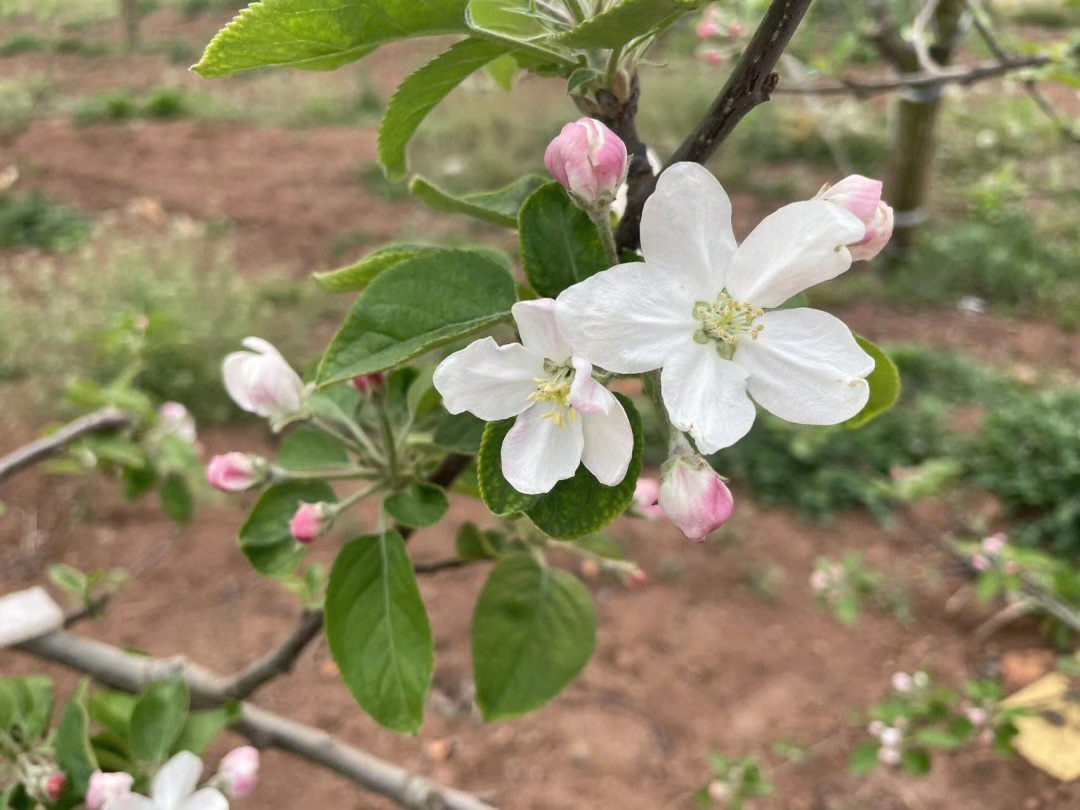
<point x="1050" y="737"/>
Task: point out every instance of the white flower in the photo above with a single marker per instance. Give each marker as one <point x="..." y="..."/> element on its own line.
<point x="177" y="421"/>
<point x="564" y="416"/>
<point x="174" y="788"/>
<point x="695" y="308"/>
<point x="106" y="787"/>
<point x="262" y="382"/>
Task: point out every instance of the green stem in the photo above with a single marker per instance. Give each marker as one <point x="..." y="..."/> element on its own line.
<point x="601" y="217"/>
<point x="578" y="10"/>
<point x="388" y="440"/>
<point x="612" y="68"/>
<point x="282" y="474"/>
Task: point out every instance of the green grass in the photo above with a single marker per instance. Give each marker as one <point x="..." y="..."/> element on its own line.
<point x="33" y="220"/>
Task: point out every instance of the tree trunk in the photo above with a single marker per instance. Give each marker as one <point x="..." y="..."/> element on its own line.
<point x="132" y="14"/>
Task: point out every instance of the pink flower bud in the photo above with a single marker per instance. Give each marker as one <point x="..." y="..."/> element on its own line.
<point x="177" y="421"/>
<point x="646" y="491"/>
<point x="693" y="496"/>
<point x="977" y="716"/>
<point x="367" y="382"/>
<point x="862" y="197"/>
<point x="735" y="30"/>
<point x="636" y="578"/>
<point x="233" y="472"/>
<point x="712" y="57"/>
<point x="261" y="381"/>
<point x="239" y="772"/>
<point x="107" y="787"/>
<point x="310" y="520"/>
<point x="979" y="562"/>
<point x="588" y="160"/>
<point x="54" y="786"/>
<point x="994" y="544"/>
<point x="707" y="28"/>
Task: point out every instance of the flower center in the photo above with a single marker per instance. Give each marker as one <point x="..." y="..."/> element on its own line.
<point x="724" y="321"/>
<point x="555" y="388"/>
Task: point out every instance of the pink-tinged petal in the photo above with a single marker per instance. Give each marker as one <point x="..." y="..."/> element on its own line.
<point x="233" y="472"/>
<point x="806" y="367"/>
<point x="176" y="780"/>
<point x="878" y="233"/>
<point x="309" y="521"/>
<point x="538" y="329"/>
<point x="488" y="380"/>
<point x="539" y="451"/>
<point x="800" y="245"/>
<point x="609" y="442"/>
<point x="262" y="382"/>
<point x="586" y="394"/>
<point x="588" y="160"/>
<point x="106" y="787"/>
<point x="855" y="193"/>
<point x="705" y="396"/>
<point x="694" y="497"/>
<point x="686" y="230"/>
<point x="626" y="319"/>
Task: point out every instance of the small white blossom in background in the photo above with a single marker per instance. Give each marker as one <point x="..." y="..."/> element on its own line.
<point x="235" y="472"/>
<point x="105" y="787"/>
<point x="238" y="773"/>
<point x="564" y="418"/>
<point x="588" y="160"/>
<point x="901" y="682"/>
<point x="693" y="496"/>
<point x="174" y="787"/>
<point x="176" y="420"/>
<point x="262" y="382"/>
<point x="695" y="308"/>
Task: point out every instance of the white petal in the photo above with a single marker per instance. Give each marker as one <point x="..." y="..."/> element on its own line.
<point x="538" y="329"/>
<point x="609" y="442"/>
<point x="260" y="346"/>
<point x="233" y="373"/>
<point x="586" y="394"/>
<point x="686" y="229"/>
<point x="800" y="245"/>
<point x="132" y="801"/>
<point x="806" y="367"/>
<point x="176" y="780"/>
<point x="706" y="397"/>
<point x="537" y="453"/>
<point x="488" y="380"/>
<point x="206" y="799"/>
<point x="626" y="319"/>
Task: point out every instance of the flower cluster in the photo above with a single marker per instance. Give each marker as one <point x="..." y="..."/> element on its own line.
<point x="701" y="311"/>
<point x="176" y="784"/>
<point x="717" y="35"/>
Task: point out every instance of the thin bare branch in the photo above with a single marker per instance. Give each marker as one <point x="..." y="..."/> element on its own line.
<point x="751" y="83"/>
<point x="277" y="662"/>
<point x="99" y="421"/>
<point x="117" y="669"/>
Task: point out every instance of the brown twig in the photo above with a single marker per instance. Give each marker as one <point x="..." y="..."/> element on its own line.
<point x="750" y="84"/>
<point x="277" y="662"/>
<point x="99" y="421"/>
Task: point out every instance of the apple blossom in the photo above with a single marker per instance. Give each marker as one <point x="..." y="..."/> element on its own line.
<point x="588" y="160"/>
<point x="695" y="308"/>
<point x="862" y="197"/>
<point x="234" y="472"/>
<point x="54" y="785"/>
<point x="901" y="682"/>
<point x="104" y="787"/>
<point x="707" y="28"/>
<point x="994" y="544"/>
<point x="693" y="496"/>
<point x="177" y="421"/>
<point x="262" y="382"/>
<point x="310" y="520"/>
<point x="174" y="787"/>
<point x="646" y="491"/>
<point x="239" y="771"/>
<point x="563" y="416"/>
<point x="889" y="755"/>
<point x="712" y="57"/>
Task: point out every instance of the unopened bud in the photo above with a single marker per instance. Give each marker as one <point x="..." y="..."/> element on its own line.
<point x="54" y="785"/>
<point x="368" y="382"/>
<point x="693" y="496"/>
<point x="239" y="772"/>
<point x="234" y="472"/>
<point x="588" y="160"/>
<point x="310" y="521"/>
<point x="861" y="196"/>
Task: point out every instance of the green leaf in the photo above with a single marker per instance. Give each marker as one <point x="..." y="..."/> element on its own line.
<point x="503" y="71"/>
<point x="378" y="630"/>
<point x="309" y="449"/>
<point x="265" y="537"/>
<point x="460" y="433"/>
<point x="915" y="761"/>
<point x="68" y="579"/>
<point x="176" y="500"/>
<point x="203" y="727"/>
<point x="422" y="91"/>
<point x="9" y="712"/>
<point x="112" y="710"/>
<point x="865" y="758"/>
<point x="884" y="383"/>
<point x="317" y="35"/>
<point x="512" y="19"/>
<point x="416" y="306"/>
<point x="471" y="543"/>
<point x="418" y="506"/>
<point x="33" y="701"/>
<point x="498" y="207"/>
<point x="627" y="21"/>
<point x="357" y="276"/>
<point x="560" y="245"/>
<point x="71" y="744"/>
<point x="500" y="497"/>
<point x="157" y="720"/>
<point x="581" y="505"/>
<point x="533" y="631"/>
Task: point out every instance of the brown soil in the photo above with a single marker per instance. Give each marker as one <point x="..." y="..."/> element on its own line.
<point x="688" y="663"/>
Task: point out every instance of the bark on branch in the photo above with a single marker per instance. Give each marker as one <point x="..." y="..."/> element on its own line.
<point x="99" y="421"/>
<point x="117" y="669"/>
<point x="751" y="83"/>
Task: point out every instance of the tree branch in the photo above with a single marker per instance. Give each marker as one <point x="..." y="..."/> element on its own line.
<point x="277" y="662"/>
<point x="30" y="454"/>
<point x="121" y="670"/>
<point x="751" y="83"/>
